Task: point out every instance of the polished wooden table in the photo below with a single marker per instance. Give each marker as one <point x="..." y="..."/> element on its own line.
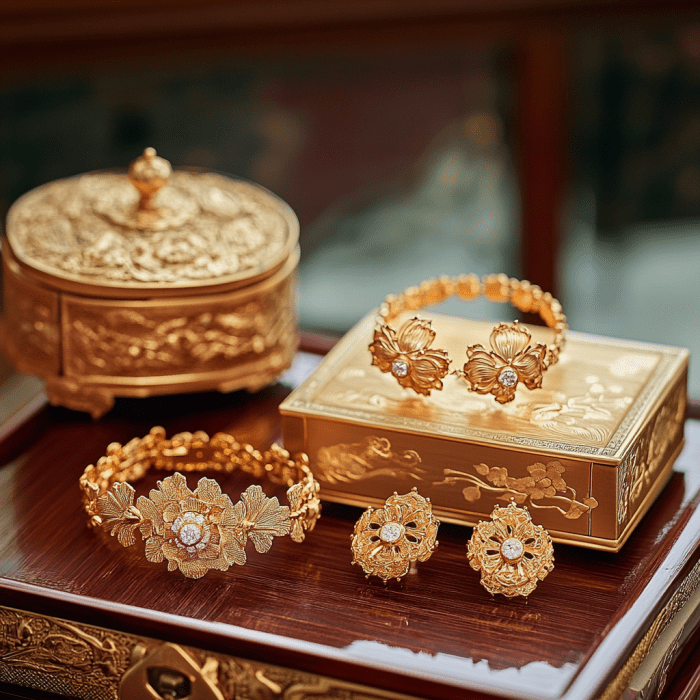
<point x="437" y="634"/>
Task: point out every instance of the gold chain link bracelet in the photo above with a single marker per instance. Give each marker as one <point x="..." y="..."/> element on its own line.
<point x="408" y="356"/>
<point x="202" y="529"/>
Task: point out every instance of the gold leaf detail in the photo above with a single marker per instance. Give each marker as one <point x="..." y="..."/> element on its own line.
<point x="266" y="518"/>
<point x="174" y="487"/>
<point x="209" y="490"/>
<point x="116" y="502"/>
<point x="233" y="546"/>
<point x="151" y="515"/>
<point x="154" y="549"/>
<point x="125" y="533"/>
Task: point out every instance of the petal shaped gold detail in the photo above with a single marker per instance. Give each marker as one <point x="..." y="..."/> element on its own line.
<point x="265" y="518"/>
<point x="407" y="356"/>
<point x="512" y="360"/>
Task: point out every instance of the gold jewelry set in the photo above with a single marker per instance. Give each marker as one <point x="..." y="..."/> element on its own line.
<point x="509" y="550"/>
<point x="199" y="530"/>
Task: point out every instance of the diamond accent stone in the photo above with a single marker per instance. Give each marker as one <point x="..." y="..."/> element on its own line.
<point x="390" y="532"/>
<point x="512" y="549"/>
<point x="507" y="377"/>
<point x="399" y="368"/>
<point x="190" y="534"/>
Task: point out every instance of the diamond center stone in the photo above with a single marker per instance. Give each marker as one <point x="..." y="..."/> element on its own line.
<point x="390" y="532"/>
<point x="508" y="377"/>
<point x="512" y="549"/>
<point x="190" y="534"/>
<point x="399" y="368"/>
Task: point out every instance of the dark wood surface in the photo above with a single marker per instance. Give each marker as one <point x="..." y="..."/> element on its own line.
<point x="434" y="634"/>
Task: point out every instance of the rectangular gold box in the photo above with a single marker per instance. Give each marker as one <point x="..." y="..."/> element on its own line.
<point x="587" y="454"/>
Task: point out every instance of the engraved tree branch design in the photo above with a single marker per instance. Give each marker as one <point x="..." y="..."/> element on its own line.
<point x="374" y="456"/>
<point x="543" y="483"/>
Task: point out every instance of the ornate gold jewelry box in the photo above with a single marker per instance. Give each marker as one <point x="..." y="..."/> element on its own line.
<point x="116" y="287"/>
<point x="587" y="454"/>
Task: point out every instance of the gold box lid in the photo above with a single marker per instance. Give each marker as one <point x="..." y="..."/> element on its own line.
<point x="592" y="403"/>
<point x="156" y="232"/>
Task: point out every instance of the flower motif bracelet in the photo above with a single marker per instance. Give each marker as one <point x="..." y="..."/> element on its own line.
<point x="408" y="356"/>
<point x="198" y="530"/>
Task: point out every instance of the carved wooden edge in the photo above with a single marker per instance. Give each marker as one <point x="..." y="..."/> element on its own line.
<point x="81" y="661"/>
<point x="694" y="407"/>
<point x="661" y="622"/>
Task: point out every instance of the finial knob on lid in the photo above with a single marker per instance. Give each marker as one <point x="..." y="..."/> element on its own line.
<point x="148" y="174"/>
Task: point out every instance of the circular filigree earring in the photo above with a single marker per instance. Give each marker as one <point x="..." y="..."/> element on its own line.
<point x="387" y="540"/>
<point x="511" y="552"/>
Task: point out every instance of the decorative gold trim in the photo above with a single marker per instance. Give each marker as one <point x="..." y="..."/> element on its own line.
<point x="87" y="662"/>
<point x="679" y="598"/>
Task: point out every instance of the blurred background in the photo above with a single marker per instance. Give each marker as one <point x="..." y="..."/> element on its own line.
<point x="554" y="140"/>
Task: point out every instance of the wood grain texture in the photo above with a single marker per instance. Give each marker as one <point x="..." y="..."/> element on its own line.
<point x="435" y="634"/>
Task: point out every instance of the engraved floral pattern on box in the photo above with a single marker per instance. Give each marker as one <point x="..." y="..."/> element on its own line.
<point x="544" y="487"/>
<point x="638" y="469"/>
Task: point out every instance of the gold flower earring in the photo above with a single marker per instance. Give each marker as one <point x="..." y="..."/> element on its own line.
<point x="511" y="552"/>
<point x="388" y="539"/>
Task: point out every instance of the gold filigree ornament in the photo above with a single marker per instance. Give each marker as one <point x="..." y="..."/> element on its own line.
<point x="199" y="530"/>
<point x="513" y="359"/>
<point x="387" y="540"/>
<point x="511" y="552"/>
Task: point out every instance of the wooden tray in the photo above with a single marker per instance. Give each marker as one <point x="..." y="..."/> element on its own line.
<point x="437" y="634"/>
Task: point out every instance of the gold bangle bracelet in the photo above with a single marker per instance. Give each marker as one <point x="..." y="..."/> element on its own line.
<point x="202" y="529"/>
<point x="408" y="356"/>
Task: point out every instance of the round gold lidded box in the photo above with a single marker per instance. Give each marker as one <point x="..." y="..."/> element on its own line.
<point x="156" y="283"/>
